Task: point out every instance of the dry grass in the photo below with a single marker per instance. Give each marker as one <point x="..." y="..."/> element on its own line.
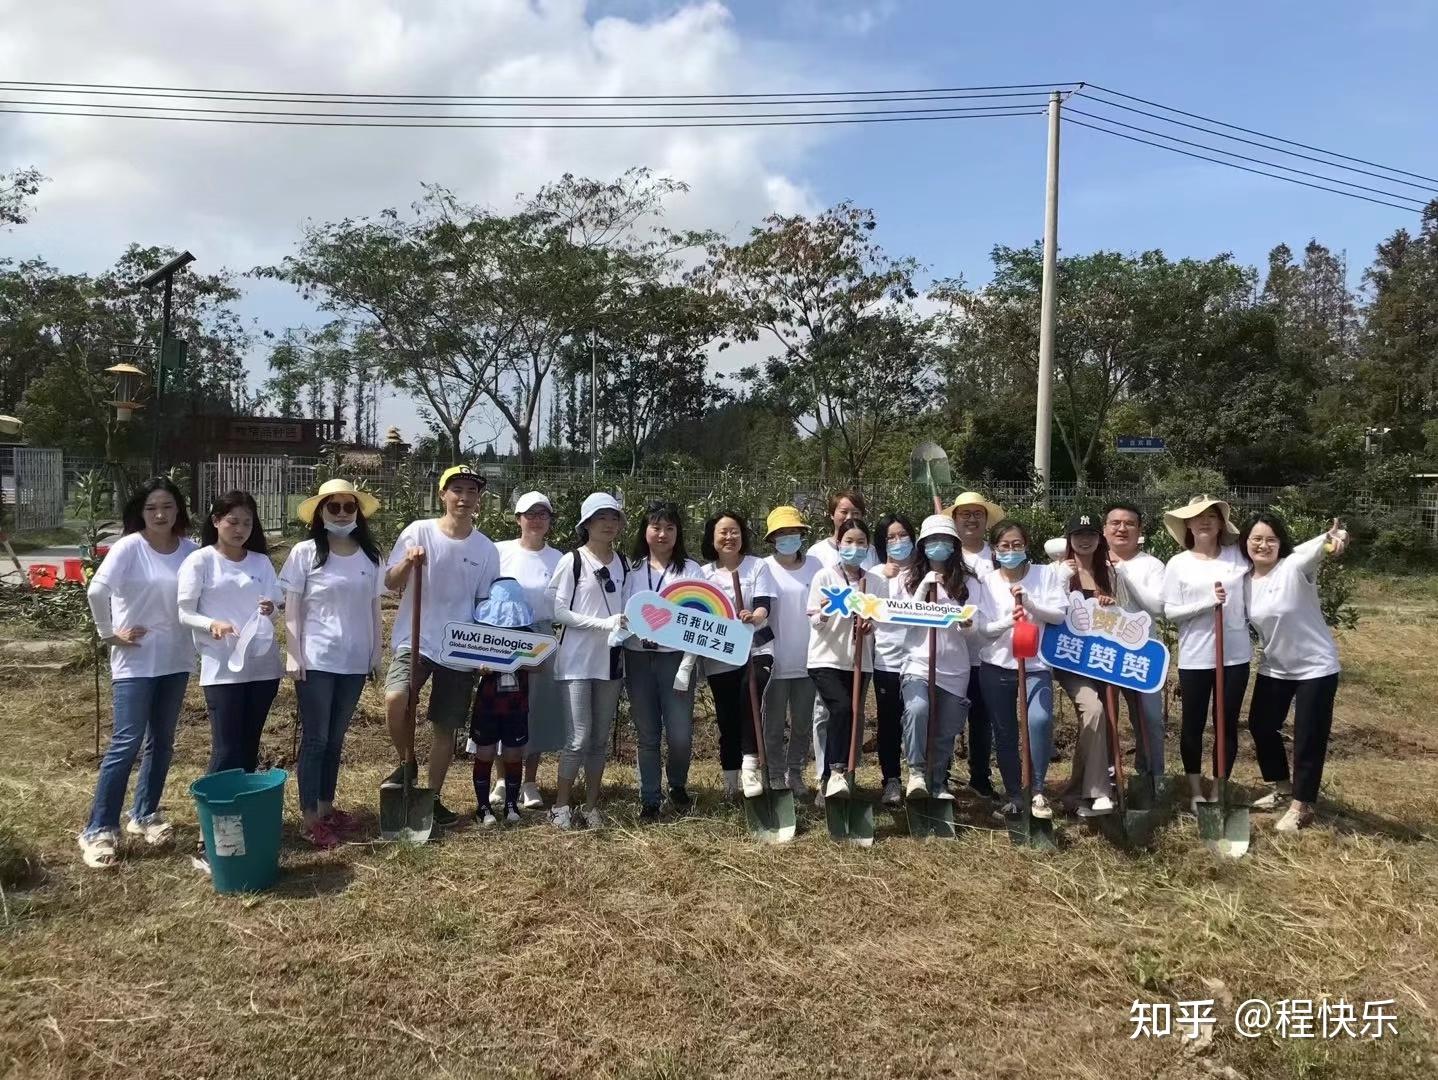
<point x="684" y="950"/>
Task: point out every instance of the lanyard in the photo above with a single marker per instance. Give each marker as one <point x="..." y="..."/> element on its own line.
<point x="649" y="573"/>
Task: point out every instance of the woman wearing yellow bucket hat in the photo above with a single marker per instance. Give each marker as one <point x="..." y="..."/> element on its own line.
<point x="332" y="583"/>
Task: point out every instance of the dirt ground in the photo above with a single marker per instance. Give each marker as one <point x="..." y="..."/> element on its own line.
<point x="682" y="949"/>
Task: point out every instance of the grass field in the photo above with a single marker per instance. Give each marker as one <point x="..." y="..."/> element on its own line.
<point x="683" y="950"/>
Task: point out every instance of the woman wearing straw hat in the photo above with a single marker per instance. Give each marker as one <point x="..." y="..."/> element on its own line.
<point x="332" y="583"/>
<point x="973" y="517"/>
<point x="790" y="693"/>
<point x="1208" y="573"/>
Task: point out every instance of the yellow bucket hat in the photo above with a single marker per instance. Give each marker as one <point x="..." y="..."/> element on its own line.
<point x="1176" y="521"/>
<point x="993" y="511"/>
<point x="368" y="504"/>
<point x="784" y="517"/>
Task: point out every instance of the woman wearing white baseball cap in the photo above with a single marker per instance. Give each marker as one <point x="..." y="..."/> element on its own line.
<point x="588" y="590"/>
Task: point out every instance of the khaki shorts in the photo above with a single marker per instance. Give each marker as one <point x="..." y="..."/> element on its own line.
<point x="449" y="691"/>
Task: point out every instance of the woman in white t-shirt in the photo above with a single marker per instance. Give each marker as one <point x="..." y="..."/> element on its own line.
<point x="588" y="587"/>
<point x="895" y="548"/>
<point x="789" y="697"/>
<point x="228" y="594"/>
<point x="660" y="679"/>
<point x="531" y="561"/>
<point x="725" y="547"/>
<point x="1299" y="665"/>
<point x="332" y="583"/>
<point x="132" y="600"/>
<point x="1206" y="575"/>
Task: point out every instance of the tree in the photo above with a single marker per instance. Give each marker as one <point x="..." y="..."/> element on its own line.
<point x="316" y="371"/>
<point x="16" y="189"/>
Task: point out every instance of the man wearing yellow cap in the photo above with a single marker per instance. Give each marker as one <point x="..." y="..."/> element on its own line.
<point x="459" y="564"/>
<point x="974" y="516"/>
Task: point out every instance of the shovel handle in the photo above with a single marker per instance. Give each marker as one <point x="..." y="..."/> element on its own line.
<point x="753" y="690"/>
<point x="1026" y="767"/>
<point x="856" y="694"/>
<point x="411" y="707"/>
<point x="1115" y="748"/>
<point x="1220" y="720"/>
<point x="933" y="688"/>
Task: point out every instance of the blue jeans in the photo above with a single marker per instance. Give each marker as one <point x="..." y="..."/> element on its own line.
<point x="327" y="702"/>
<point x="237" y="717"/>
<point x="146" y="712"/>
<point x="953" y="711"/>
<point x="1151" y="708"/>
<point x="1001" y="696"/>
<point x="658" y="709"/>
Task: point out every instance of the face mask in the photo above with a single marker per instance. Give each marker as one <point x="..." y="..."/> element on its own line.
<point x="788" y="545"/>
<point x="939" y="549"/>
<point x="854" y="556"/>
<point x="1011" y="560"/>
<point x="901" y="549"/>
<point x="334" y="528"/>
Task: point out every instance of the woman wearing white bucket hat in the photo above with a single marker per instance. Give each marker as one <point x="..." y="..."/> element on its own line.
<point x="1208" y="573"/>
<point x="588" y="589"/>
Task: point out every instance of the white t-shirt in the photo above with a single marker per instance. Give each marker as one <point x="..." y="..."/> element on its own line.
<point x="644" y="578"/>
<point x="980" y="563"/>
<point x="1043" y="600"/>
<point x="533" y="570"/>
<point x="1188" y="601"/>
<point x="891" y="643"/>
<point x="584" y="648"/>
<point x="337" y="633"/>
<point x="827" y="552"/>
<point x="756" y="581"/>
<point x="1140" y="586"/>
<point x="789" y="616"/>
<point x="137" y="586"/>
<point x="457" y="575"/>
<point x="1283" y="607"/>
<point x="220" y="589"/>
<point x="952" y="659"/>
<point x="831" y="640"/>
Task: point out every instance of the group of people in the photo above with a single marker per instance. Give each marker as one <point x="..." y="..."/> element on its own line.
<point x="158" y="598"/>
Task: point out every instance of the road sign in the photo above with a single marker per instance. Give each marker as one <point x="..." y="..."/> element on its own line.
<point x="1140" y="444"/>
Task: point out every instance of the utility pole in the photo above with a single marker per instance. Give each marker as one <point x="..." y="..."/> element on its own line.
<point x="1043" y="421"/>
<point x="165" y="276"/>
<point x="593" y="412"/>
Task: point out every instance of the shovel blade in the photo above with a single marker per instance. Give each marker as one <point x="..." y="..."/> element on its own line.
<point x="1237" y="832"/>
<point x="931" y="818"/>
<point x="1210" y="822"/>
<point x="406" y="813"/>
<point x="850" y="821"/>
<point x="1025" y="830"/>
<point x="1140" y="826"/>
<point x="1141" y="792"/>
<point x="771" y="817"/>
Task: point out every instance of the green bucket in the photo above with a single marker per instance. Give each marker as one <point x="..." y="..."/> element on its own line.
<point x="240" y="818"/>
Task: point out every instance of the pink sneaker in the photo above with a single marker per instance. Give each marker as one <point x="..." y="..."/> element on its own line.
<point x="343" y="823"/>
<point x="322" y="836"/>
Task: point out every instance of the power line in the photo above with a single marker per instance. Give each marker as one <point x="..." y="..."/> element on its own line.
<point x="1250" y="131"/>
<point x="1245" y="168"/>
<point x="1246" y="157"/>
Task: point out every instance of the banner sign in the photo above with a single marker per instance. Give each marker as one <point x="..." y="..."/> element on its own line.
<point x="693" y="617"/>
<point x="1140" y="444"/>
<point x="1107" y="644"/>
<point x="475" y="645"/>
<point x="843" y="600"/>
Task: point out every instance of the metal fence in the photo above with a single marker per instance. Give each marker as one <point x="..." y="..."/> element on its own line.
<point x="34" y="487"/>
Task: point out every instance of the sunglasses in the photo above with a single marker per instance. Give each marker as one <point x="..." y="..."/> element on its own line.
<point x="603" y="575"/>
<point x="348" y="506"/>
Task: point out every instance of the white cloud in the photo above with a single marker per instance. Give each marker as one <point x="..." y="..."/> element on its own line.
<point x="237" y="195"/>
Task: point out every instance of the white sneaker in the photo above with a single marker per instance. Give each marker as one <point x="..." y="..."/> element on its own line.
<point x="1040" y="808"/>
<point x="837" y="787"/>
<point x="98" y="850"/>
<point x="796" y="783"/>
<point x="1279" y="794"/>
<point x="496" y="794"/>
<point x="560" y="818"/>
<point x="731" y="783"/>
<point x="892" y="795"/>
<point x="752" y="779"/>
<point x="511" y="816"/>
<point x="1294" y="819"/>
<point x="530" y="798"/>
<point x="155" y="830"/>
<point x="486" y="817"/>
<point x="593" y="819"/>
<point x="918" y="788"/>
<point x="1097" y="808"/>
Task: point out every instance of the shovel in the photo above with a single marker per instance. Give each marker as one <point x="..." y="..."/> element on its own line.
<point x="1224" y="829"/>
<point x="770" y="814"/>
<point x="851" y="820"/>
<point x="1025" y="830"/>
<point x="1147" y="791"/>
<point x="407" y="812"/>
<point x="933" y="814"/>
<point x="1131" y="827"/>
<point x="929" y="465"/>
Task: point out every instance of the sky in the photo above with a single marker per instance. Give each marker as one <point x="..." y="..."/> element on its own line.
<point x="1348" y="77"/>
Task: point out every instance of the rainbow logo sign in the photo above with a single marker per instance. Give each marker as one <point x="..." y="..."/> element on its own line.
<point x="699" y="596"/>
<point x="491" y="648"/>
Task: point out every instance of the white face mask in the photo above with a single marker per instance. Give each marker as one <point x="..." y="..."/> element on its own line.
<point x="335" y="528"/>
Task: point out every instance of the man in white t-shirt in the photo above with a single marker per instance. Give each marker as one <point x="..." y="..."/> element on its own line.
<point x="459" y="564"/>
<point x="1140" y="588"/>
<point x="973" y="517"/>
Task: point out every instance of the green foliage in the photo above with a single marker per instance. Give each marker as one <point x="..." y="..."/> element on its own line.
<point x="62" y="609"/>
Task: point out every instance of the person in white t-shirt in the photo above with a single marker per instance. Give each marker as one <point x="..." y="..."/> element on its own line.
<point x="660" y="679"/>
<point x="1207" y="575"/>
<point x="974" y="516"/>
<point x="895" y="546"/>
<point x="133" y="601"/>
<point x="588" y="587"/>
<point x="228" y="595"/>
<point x="1299" y="666"/>
<point x="789" y="698"/>
<point x="531" y="561"/>
<point x="333" y="583"/>
<point x="459" y="563"/>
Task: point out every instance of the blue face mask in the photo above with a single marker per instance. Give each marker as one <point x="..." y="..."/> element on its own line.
<point x="901" y="549"/>
<point x="939" y="549"/>
<point x="789" y="545"/>
<point x="1011" y="560"/>
<point x="853" y="556"/>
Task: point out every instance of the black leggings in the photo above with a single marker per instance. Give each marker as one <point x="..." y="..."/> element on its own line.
<point x="836" y="687"/>
<point x="1312" y="723"/>
<point x="889" y="712"/>
<point x="732" y="712"/>
<point x="1195" y="687"/>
